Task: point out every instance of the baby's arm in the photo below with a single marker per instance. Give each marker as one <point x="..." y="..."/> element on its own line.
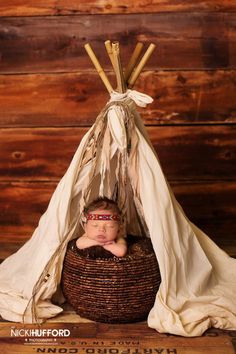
<point x="85" y="242"/>
<point x="118" y="247"/>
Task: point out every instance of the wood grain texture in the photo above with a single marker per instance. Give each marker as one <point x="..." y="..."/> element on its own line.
<point x="62" y="7"/>
<point x="218" y="346"/>
<point x="210" y="205"/>
<point x="185" y="152"/>
<point x="67" y="99"/>
<point x="52" y="44"/>
<point x="125" y="338"/>
<point x="86" y="330"/>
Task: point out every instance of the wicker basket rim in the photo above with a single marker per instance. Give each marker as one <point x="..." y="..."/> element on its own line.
<point x="126" y="258"/>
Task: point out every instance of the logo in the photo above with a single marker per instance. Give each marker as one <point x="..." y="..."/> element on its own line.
<point x="39" y="332"/>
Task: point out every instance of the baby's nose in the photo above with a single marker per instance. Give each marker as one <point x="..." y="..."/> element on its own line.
<point x="102" y="227"/>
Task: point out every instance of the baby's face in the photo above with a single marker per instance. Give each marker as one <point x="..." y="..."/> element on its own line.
<point x="102" y="230"/>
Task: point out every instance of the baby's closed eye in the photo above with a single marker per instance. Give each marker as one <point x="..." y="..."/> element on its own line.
<point x="111" y="226"/>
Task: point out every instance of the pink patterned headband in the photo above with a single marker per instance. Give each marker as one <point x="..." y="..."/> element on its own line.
<point x="114" y="217"/>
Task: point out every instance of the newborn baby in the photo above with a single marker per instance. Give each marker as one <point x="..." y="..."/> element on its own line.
<point x="103" y="227"/>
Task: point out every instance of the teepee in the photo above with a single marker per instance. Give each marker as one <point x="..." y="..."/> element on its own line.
<point x="116" y="159"/>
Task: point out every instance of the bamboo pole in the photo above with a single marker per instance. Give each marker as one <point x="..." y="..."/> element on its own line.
<point x="121" y="86"/>
<point x="130" y="67"/>
<point x="98" y="67"/>
<point x="109" y="52"/>
<point x="136" y="72"/>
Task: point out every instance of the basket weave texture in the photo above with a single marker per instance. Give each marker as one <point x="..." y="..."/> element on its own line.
<point x="109" y="289"/>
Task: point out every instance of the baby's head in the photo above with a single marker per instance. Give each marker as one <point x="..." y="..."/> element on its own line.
<point x="103" y="220"/>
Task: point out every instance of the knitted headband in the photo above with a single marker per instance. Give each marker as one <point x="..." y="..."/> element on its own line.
<point x="114" y="217"/>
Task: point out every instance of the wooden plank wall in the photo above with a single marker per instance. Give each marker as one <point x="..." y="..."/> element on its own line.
<point x="50" y="95"/>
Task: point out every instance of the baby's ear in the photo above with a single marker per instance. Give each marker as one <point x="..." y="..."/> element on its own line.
<point x="83" y="220"/>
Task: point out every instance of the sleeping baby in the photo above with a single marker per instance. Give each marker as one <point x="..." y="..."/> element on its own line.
<point x="103" y="227"/>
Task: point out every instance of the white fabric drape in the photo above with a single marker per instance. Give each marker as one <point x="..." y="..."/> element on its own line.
<point x="198" y="278"/>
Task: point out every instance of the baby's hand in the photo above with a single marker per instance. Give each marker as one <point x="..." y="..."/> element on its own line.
<point x="119" y="248"/>
<point x="85" y="242"/>
<point x="98" y="243"/>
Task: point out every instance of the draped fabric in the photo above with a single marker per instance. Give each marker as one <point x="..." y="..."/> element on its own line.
<point x="116" y="159"/>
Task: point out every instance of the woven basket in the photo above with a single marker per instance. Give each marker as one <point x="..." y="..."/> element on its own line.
<point x="112" y="290"/>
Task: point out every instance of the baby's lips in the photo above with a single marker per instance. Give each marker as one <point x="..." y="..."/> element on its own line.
<point x="101" y="236"/>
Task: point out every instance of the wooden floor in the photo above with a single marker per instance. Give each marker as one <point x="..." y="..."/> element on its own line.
<point x="84" y="337"/>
